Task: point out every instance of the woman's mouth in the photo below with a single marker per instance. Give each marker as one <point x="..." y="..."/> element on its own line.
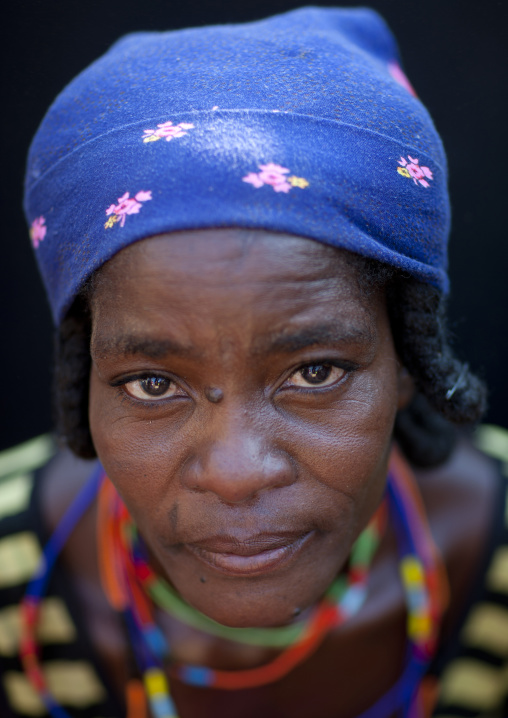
<point x="249" y="556"/>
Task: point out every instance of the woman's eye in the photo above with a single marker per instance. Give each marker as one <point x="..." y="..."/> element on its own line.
<point x="316" y="375"/>
<point x="151" y="388"/>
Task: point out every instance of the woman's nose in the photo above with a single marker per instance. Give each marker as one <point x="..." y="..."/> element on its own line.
<point x="238" y="466"/>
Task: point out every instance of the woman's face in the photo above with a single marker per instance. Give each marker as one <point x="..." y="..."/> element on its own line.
<point x="243" y="393"/>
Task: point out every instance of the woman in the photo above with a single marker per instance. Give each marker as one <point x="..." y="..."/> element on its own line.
<point x="242" y="232"/>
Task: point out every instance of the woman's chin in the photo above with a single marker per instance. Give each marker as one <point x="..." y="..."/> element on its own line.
<point x="264" y="616"/>
<point x="246" y="605"/>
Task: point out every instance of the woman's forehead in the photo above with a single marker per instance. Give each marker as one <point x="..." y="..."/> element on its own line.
<point x="232" y="279"/>
<point x="236" y="253"/>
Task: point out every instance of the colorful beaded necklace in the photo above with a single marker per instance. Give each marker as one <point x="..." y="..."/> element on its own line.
<point x="132" y="587"/>
<point x="122" y="546"/>
<point x="130" y="583"/>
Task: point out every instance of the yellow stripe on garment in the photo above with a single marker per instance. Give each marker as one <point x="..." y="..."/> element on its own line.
<point x="493" y="440"/>
<point x="21" y="696"/>
<point x="19" y="557"/>
<point x="473" y="684"/>
<point x="487" y="628"/>
<point x="15" y="494"/>
<point x="497" y="575"/>
<point x="54" y="626"/>
<point x="27" y="456"/>
<point x="73" y="684"/>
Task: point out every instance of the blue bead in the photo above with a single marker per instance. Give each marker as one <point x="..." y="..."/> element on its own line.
<point x="163" y="707"/>
<point x="156" y="641"/>
<point x="197" y="676"/>
<point x="417" y="601"/>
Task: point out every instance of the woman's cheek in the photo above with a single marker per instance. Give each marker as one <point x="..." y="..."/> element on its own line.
<point x="359" y="420"/>
<point x="139" y="455"/>
<point x="119" y="439"/>
<point x="346" y="447"/>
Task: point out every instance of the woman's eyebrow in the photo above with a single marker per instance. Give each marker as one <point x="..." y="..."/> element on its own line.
<point x="320" y="334"/>
<point x="154" y="348"/>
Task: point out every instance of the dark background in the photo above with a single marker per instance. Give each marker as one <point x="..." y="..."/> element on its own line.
<point x="456" y="56"/>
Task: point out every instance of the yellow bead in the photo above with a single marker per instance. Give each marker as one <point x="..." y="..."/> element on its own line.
<point x="411" y="570"/>
<point x="155" y="682"/>
<point x="419" y="627"/>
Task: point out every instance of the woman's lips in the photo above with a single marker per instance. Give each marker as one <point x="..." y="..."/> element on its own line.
<point x="248" y="557"/>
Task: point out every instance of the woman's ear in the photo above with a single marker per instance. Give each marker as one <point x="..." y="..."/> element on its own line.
<point x="406" y="387"/>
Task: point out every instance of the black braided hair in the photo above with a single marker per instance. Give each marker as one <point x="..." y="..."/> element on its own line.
<point x="71" y="378"/>
<point x="447" y="393"/>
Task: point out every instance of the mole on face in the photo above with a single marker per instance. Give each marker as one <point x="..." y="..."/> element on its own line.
<point x="214" y="394"/>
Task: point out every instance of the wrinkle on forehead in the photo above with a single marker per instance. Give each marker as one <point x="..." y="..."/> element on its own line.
<point x="237" y="247"/>
<point x="256" y="270"/>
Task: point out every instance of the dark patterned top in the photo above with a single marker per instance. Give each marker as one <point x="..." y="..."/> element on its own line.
<point x="472" y="669"/>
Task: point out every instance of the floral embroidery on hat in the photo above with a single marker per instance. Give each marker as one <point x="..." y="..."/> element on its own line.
<point x="399" y="76"/>
<point x="126" y="205"/>
<point x="276" y="176"/>
<point x="38" y="231"/>
<point x="416" y="171"/>
<point x="168" y="131"/>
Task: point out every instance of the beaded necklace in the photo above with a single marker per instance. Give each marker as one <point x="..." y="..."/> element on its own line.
<point x="131" y="586"/>
<point x="123" y="547"/>
<point x="129" y="583"/>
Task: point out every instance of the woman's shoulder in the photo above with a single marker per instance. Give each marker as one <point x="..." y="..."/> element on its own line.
<point x="20" y="521"/>
<point x="467" y="507"/>
<point x="465" y="500"/>
<point x="463" y="496"/>
<point x="18" y="467"/>
<point x="34" y="476"/>
<point x="38" y="480"/>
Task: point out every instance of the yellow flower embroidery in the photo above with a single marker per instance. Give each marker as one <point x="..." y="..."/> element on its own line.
<point x="298" y="182"/>
<point x="114" y="218"/>
<point x="419" y="173"/>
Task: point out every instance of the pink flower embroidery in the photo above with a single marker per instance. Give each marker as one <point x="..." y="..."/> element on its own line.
<point x="167" y="130"/>
<point x="126" y="205"/>
<point x="414" y="170"/>
<point x="398" y="75"/>
<point x="253" y="179"/>
<point x="276" y="176"/>
<point x="38" y="231"/>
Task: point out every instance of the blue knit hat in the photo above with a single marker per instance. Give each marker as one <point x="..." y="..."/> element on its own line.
<point x="302" y="123"/>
